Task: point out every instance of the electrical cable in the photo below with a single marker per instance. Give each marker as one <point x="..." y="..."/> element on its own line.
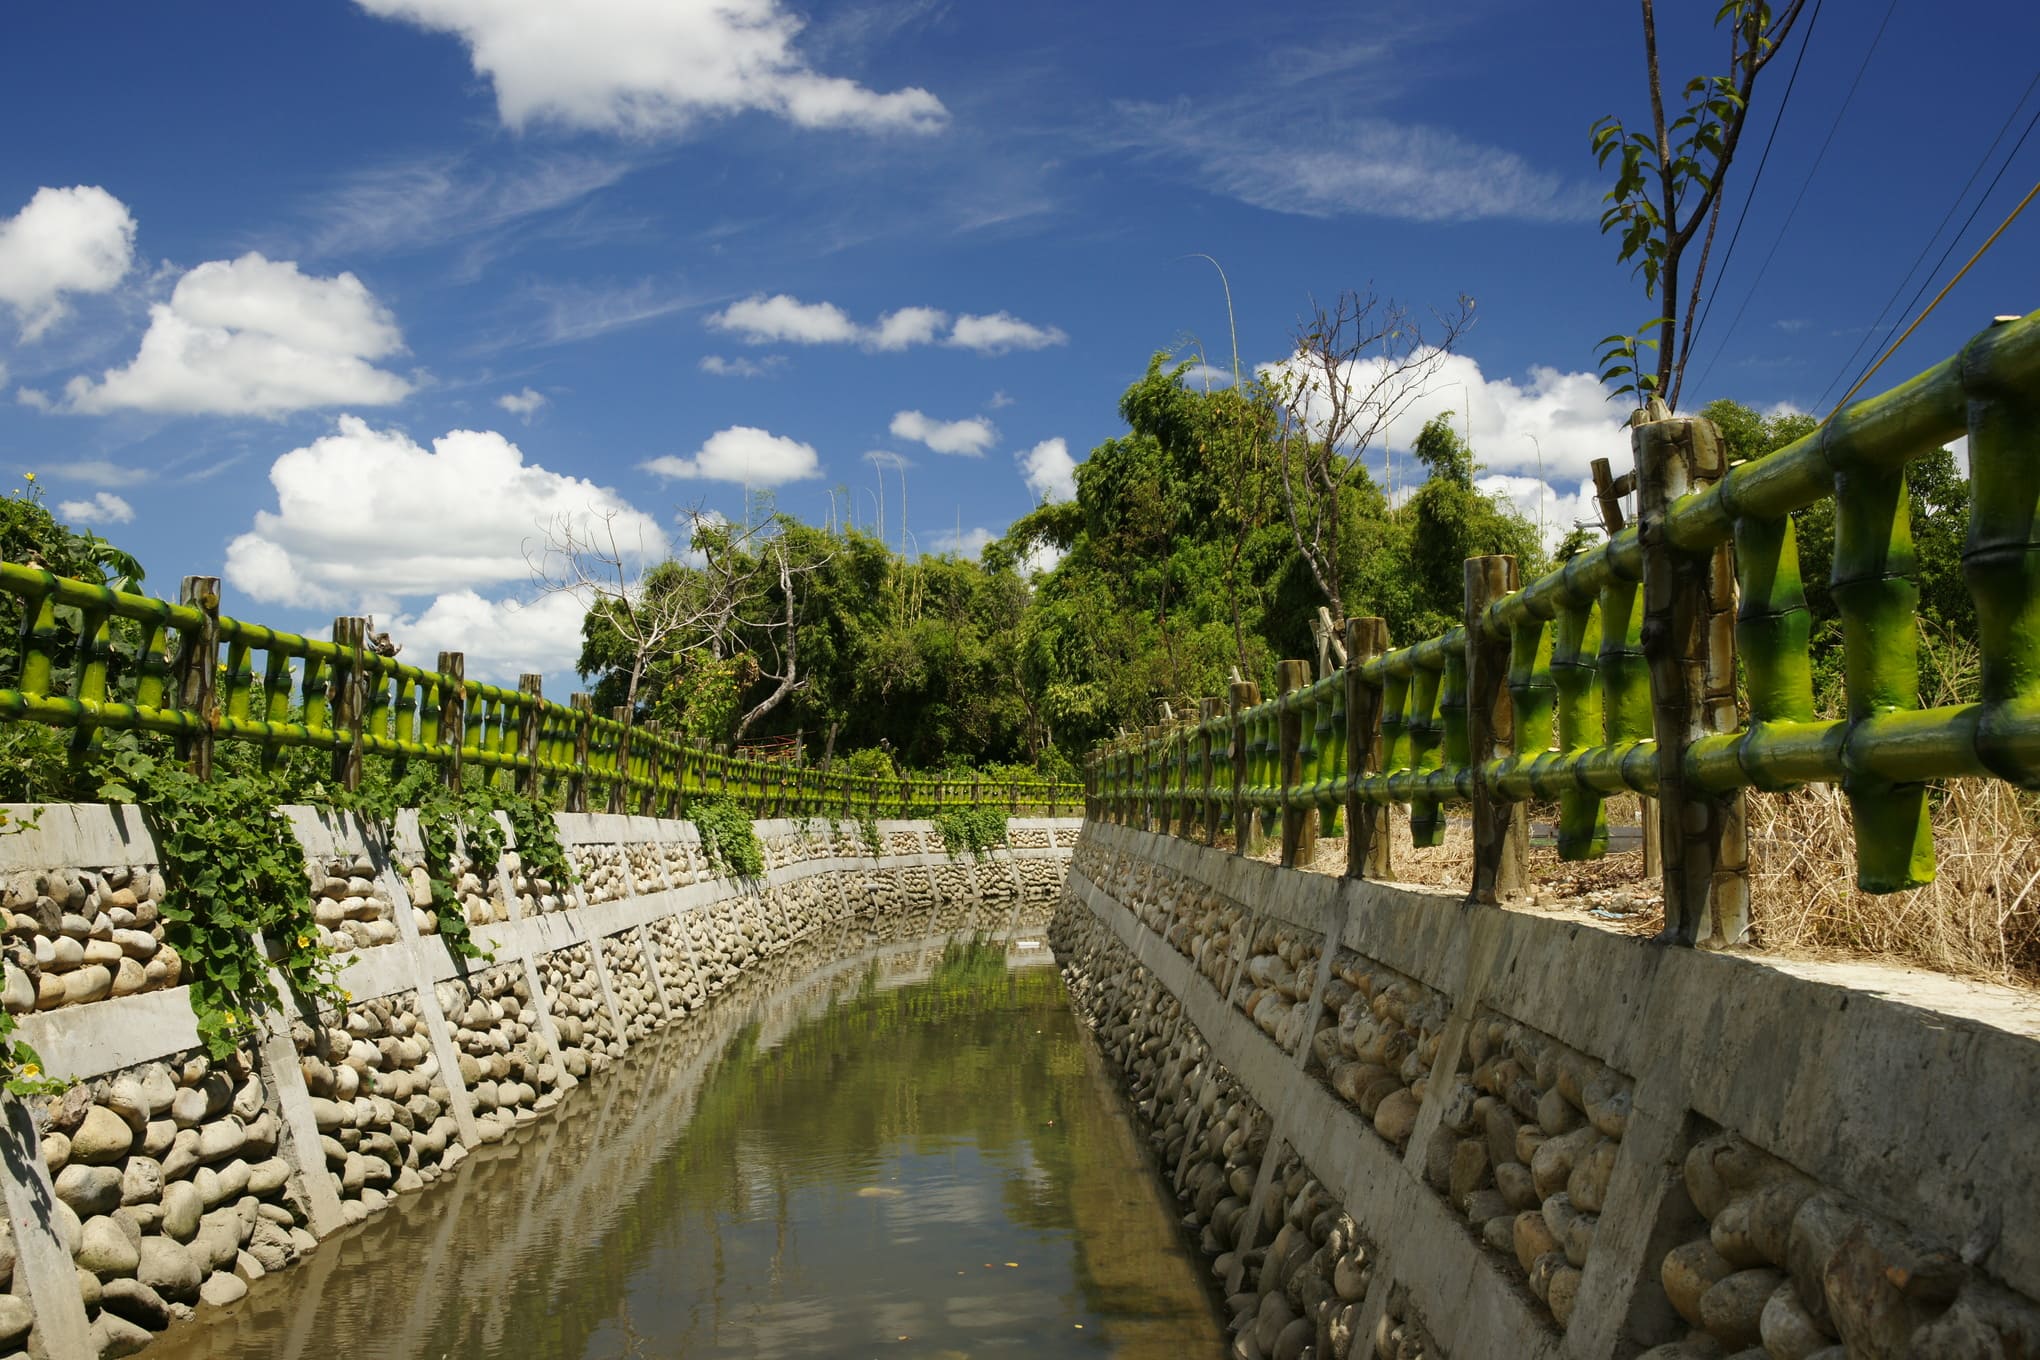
<point x="1948" y="288"/>
<point x="1805" y="181"/>
<point x="1949" y="249"/>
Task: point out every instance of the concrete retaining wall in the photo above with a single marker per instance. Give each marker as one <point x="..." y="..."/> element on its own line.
<point x="162" y="1180"/>
<point x="1413" y="1127"/>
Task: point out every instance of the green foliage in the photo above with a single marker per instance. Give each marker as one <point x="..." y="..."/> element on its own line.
<point x="975" y="829"/>
<point x="233" y="868"/>
<point x="21" y="1069"/>
<point x="727" y="837"/>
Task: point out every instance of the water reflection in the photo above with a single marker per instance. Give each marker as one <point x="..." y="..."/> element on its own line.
<point x="910" y="1154"/>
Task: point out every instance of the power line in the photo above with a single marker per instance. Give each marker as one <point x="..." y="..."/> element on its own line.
<point x="1946" y="289"/>
<point x="1805" y="181"/>
<point x="1949" y="249"/>
<point x="1727" y="256"/>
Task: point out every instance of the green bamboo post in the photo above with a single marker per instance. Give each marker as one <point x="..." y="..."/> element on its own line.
<point x="1268" y="771"/>
<point x="1501" y="830"/>
<point x="1299" y="823"/>
<point x="1208" y="710"/>
<point x="152" y="671"/>
<point x="1331" y="753"/>
<point x="1876" y="592"/>
<point x="1151" y="777"/>
<point x="1244" y="695"/>
<point x="2002" y="564"/>
<point x="1180" y="739"/>
<point x="1458" y="751"/>
<point x="651" y="747"/>
<point x="1299" y="792"/>
<point x="39" y="640"/>
<point x="378" y="687"/>
<point x="1426" y="734"/>
<point x="1366" y="819"/>
<point x="584" y="735"/>
<point x="1532" y="692"/>
<point x="530" y="733"/>
<point x="197" y="661"/>
<point x="1624" y="678"/>
<point x="406" y="721"/>
<point x="452" y="714"/>
<point x="1582" y="812"/>
<point x="95" y="650"/>
<point x="275" y="700"/>
<point x="619" y="788"/>
<point x="1689" y="645"/>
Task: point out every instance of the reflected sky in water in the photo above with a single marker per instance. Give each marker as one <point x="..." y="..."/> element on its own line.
<point x="911" y="1154"/>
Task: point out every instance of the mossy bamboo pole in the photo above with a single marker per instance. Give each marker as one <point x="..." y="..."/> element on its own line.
<point x="1689" y="644"/>
<point x="452" y="714"/>
<point x="1208" y="710"/>
<point x="1332" y="755"/>
<point x="197" y="662"/>
<point x="1624" y="683"/>
<point x="1426" y="737"/>
<point x="1456" y="753"/>
<point x="95" y="651"/>
<point x="2002" y="557"/>
<point x="1532" y="693"/>
<point x="1582" y="812"/>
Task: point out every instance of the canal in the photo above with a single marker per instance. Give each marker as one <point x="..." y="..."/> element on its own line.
<point x="911" y="1152"/>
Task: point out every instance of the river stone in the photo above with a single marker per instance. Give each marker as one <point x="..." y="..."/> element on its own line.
<point x="1789" y="1332"/>
<point x="1688" y="1273"/>
<point x="128" y="1100"/>
<point x="89" y="1190"/>
<point x="1394" y="1118"/>
<point x="114" y="1335"/>
<point x="221" y="1138"/>
<point x="102" y="1137"/>
<point x="188" y="1108"/>
<point x="135" y="1301"/>
<point x="182" y="1207"/>
<point x="169" y="1269"/>
<point x="105" y="1250"/>
<point x="221" y="1289"/>
<point x="56" y="1151"/>
<point x="1732" y="1309"/>
<point x="1533" y="1238"/>
<point x="158" y="1137"/>
<point x="265" y="1178"/>
<point x="93" y="982"/>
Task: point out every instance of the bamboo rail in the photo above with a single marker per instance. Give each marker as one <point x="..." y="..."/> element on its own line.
<point x="194" y="676"/>
<point x="1575" y="686"/>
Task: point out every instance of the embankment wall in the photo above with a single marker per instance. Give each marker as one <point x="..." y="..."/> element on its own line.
<point x="1408" y="1126"/>
<point x="162" y="1180"/>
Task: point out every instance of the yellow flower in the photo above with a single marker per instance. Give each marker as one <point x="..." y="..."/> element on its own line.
<point x="303" y="941"/>
<point x="29" y="476"/>
<point x="30" y="1070"/>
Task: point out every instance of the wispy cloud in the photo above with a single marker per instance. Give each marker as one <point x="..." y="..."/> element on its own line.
<point x="429" y="201"/>
<point x="563" y="313"/>
<point x="1366" y="166"/>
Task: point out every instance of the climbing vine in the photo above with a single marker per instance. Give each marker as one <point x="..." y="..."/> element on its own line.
<point x="727" y="837"/>
<point x="538" y="841"/>
<point x="867" y="827"/>
<point x="976" y="829"/>
<point x="233" y="868"/>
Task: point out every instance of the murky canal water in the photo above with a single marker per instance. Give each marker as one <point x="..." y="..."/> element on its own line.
<point x="913" y="1154"/>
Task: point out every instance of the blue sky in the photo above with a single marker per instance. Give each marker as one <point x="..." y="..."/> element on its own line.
<point x="340" y="298"/>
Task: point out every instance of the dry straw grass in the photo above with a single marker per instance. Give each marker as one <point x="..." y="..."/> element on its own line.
<point x="1979" y="918"/>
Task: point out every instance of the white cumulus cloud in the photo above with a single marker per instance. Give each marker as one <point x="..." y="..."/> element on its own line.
<point x="501" y="639"/>
<point x="75" y="240"/>
<point x="104" y="508"/>
<point x="968" y="438"/>
<point x="907" y="326"/>
<point x="785" y="319"/>
<point x="743" y="454"/>
<point x="1050" y="472"/>
<point x="649" y="67"/>
<point x="761" y="320"/>
<point x="361" y="515"/>
<point x="1002" y="331"/>
<point x="523" y="405"/>
<point x="255" y="336"/>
